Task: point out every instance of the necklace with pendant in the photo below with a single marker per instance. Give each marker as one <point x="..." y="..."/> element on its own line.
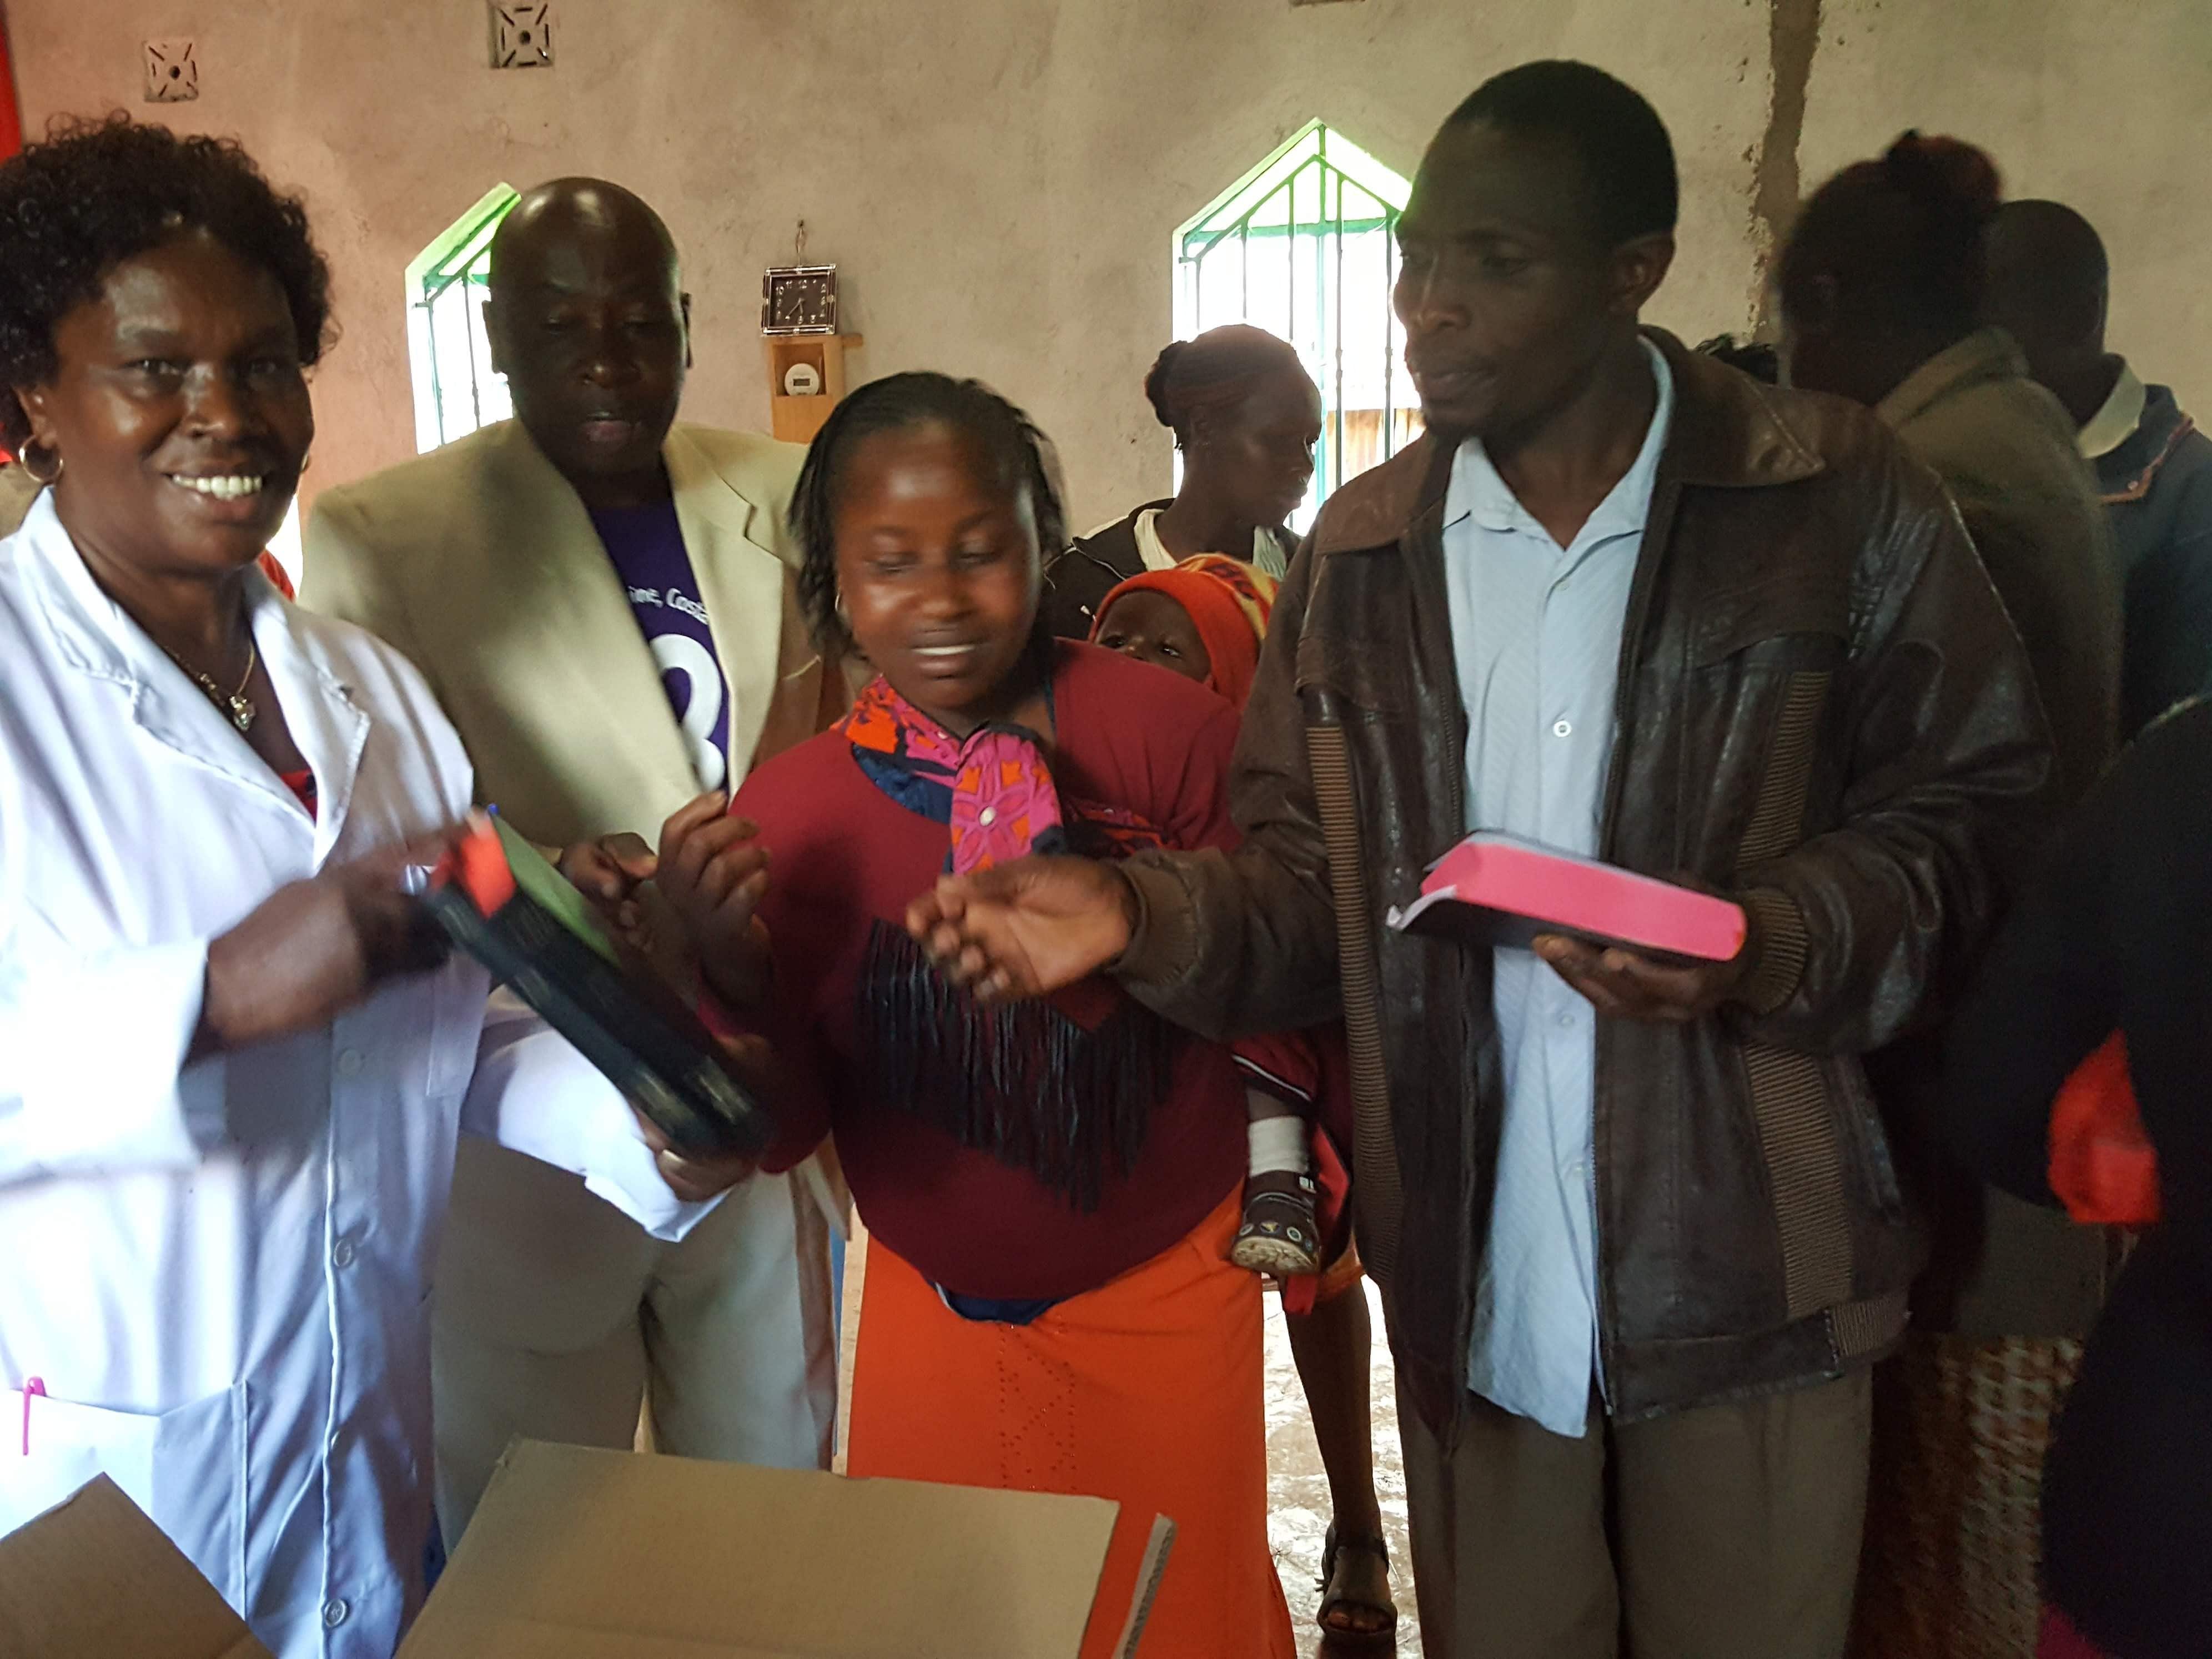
<point x="236" y="704"/>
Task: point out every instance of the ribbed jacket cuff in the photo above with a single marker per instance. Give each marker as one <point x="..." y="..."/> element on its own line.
<point x="1163" y="933"/>
<point x="1778" y="932"/>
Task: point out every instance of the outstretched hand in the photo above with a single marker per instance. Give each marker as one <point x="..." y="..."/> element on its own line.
<point x="1025" y="928"/>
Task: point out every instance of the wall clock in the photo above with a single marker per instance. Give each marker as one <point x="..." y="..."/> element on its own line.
<point x="800" y="300"/>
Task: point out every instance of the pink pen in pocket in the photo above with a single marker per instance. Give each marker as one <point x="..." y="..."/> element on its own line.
<point x="31" y="1386"/>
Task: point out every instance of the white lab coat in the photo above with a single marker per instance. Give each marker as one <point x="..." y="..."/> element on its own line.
<point x="217" y="1272"/>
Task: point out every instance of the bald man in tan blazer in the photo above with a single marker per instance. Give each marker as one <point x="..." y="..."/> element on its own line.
<point x="554" y="1315"/>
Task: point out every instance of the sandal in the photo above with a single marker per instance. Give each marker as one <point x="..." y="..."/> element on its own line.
<point x="1281" y="1233"/>
<point x="1388" y="1609"/>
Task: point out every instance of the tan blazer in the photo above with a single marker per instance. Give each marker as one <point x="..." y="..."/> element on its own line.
<point x="479" y="562"/>
<point x="18" y="489"/>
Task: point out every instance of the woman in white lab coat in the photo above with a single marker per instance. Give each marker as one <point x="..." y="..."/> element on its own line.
<point x="232" y="1060"/>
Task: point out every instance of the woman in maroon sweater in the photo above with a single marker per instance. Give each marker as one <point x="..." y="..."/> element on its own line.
<point x="1050" y="1189"/>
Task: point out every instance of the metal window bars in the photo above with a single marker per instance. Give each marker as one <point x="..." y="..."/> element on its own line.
<point x="1305" y="246"/>
<point x="456" y="388"/>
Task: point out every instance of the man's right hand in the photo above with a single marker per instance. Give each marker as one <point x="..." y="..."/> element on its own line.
<point x="315" y="948"/>
<point x="608" y="872"/>
<point x="1025" y="928"/>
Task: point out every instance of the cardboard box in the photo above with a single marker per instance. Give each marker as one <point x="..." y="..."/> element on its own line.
<point x="584" y="1554"/>
<point x="92" y="1578"/>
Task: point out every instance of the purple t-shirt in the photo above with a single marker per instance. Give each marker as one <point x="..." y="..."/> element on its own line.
<point x="645" y="546"/>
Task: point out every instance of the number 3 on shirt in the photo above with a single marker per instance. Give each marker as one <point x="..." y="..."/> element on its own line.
<point x="699" y="702"/>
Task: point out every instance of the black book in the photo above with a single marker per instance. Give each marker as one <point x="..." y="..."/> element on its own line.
<point x="500" y="902"/>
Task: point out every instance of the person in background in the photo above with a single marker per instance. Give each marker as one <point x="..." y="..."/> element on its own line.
<point x="1881" y="293"/>
<point x="1204" y="619"/>
<point x="233" y="1055"/>
<point x="1754" y="357"/>
<point x="1246" y="416"/>
<point x="1634" y="1221"/>
<point x="602" y="600"/>
<point x="2117" y="933"/>
<point x="2051" y="288"/>
<point x="1882" y="285"/>
<point x="1050" y="1191"/>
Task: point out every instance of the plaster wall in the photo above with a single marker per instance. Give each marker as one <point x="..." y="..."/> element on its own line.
<point x="998" y="179"/>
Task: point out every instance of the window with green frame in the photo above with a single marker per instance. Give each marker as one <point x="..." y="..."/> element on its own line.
<point x="456" y="388"/>
<point x="1305" y="246"/>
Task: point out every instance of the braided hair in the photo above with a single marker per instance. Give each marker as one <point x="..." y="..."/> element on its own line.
<point x="1021" y="455"/>
<point x="1902" y="237"/>
<point x="1215" y="372"/>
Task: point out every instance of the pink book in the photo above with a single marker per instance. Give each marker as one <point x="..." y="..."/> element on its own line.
<point x="1497" y="890"/>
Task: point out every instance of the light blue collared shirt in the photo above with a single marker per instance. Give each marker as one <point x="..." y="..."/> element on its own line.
<point x="1536" y="633"/>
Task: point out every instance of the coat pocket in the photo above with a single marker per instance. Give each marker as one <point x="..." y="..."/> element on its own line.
<point x="186" y="1467"/>
<point x="1862" y="1120"/>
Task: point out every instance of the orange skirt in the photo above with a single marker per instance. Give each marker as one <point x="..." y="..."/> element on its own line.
<point x="1146" y="1390"/>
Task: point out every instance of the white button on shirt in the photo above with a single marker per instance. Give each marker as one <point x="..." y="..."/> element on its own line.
<point x="1536" y="637"/>
<point x="216" y="1268"/>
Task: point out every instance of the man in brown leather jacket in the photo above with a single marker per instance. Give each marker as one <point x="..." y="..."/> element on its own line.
<point x="1804" y="694"/>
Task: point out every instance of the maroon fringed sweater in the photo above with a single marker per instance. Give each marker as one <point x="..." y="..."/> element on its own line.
<point x="847" y="860"/>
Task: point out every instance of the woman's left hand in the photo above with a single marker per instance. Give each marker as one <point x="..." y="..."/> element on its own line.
<point x="694" y="1179"/>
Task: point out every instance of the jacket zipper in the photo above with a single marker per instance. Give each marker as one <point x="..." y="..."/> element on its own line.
<point x="1666" y="499"/>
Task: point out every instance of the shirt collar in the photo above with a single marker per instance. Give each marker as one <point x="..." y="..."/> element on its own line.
<point x="1987" y="354"/>
<point x="97" y="636"/>
<point x="1150" y="548"/>
<point x="1478" y="492"/>
<point x="2116" y="423"/>
<point x="1154" y="551"/>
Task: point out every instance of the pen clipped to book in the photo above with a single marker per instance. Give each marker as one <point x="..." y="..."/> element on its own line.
<point x="1495" y="890"/>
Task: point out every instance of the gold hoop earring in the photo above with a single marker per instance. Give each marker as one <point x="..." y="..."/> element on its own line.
<point x="844" y="616"/>
<point x="29" y="465"/>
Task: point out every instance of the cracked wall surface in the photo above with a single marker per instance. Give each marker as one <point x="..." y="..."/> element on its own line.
<point x="1793" y="34"/>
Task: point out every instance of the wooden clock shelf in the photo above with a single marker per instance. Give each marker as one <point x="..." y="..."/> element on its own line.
<point x="797" y="419"/>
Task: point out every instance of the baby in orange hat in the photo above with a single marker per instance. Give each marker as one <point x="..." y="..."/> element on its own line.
<point x="1204" y="619"/>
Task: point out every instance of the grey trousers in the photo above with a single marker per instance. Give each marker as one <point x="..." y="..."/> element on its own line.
<point x="1723" y="1532"/>
<point x="557" y="1318"/>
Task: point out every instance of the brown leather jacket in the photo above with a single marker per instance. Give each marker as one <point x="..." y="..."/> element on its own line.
<point x="1822" y="709"/>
